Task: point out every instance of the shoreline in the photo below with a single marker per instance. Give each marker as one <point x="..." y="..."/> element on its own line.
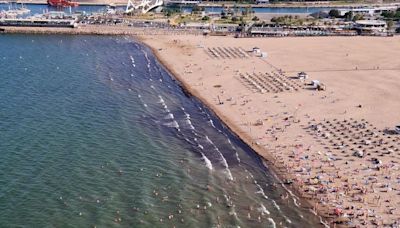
<point x="268" y="161"/>
<point x="278" y="160"/>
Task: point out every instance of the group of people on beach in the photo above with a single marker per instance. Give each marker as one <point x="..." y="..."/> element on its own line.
<point x="355" y="182"/>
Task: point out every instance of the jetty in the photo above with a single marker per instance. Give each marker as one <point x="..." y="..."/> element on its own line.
<point x="38" y="22"/>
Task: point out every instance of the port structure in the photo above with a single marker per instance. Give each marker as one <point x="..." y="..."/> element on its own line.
<point x="142" y="6"/>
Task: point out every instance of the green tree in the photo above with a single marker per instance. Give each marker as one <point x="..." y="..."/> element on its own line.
<point x="334" y="13"/>
<point x="390" y="24"/>
<point x="358" y="17"/>
<point x="348" y="16"/>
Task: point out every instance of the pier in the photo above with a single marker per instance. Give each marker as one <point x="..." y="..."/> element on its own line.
<point x="68" y="23"/>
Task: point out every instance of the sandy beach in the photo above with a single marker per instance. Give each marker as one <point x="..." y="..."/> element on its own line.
<point x="333" y="147"/>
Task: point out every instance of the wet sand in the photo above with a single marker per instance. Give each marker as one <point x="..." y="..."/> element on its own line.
<point x="331" y="146"/>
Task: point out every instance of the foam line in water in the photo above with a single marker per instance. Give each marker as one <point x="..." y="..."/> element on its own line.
<point x="251" y="175"/>
<point x="276" y="205"/>
<point x="294" y="197"/>
<point x="323" y="222"/>
<point x="187" y="140"/>
<point x="133" y="61"/>
<point x="263" y="210"/>
<point x="187" y="119"/>
<point x="173" y="124"/>
<point x="169" y="116"/>
<point x="290" y="192"/>
<point x="233" y="148"/>
<point x="161" y="100"/>
<point x="189" y="123"/>
<point x="207" y="161"/>
<point x="223" y="160"/>
<point x="212" y="123"/>
<point x="147" y="59"/>
<point x="260" y="190"/>
<point x="187" y="115"/>
<point x="279" y="209"/>
<point x="141" y="100"/>
<point x="237" y="156"/>
<point x="272" y="222"/>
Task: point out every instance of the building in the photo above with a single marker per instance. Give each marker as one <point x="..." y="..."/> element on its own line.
<point x="367" y="11"/>
<point x="370" y="26"/>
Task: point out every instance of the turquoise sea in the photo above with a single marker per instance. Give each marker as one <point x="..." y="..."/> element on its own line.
<point x="94" y="132"/>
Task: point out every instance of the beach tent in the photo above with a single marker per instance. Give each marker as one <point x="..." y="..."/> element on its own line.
<point x="256" y="50"/>
<point x="264" y="54"/>
<point x="302" y="75"/>
<point x="315" y="83"/>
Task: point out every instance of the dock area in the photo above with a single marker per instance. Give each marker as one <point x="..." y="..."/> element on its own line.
<point x="98" y="30"/>
<point x="38" y="22"/>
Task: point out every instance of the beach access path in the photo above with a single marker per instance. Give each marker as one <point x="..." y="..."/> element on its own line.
<point x="330" y="146"/>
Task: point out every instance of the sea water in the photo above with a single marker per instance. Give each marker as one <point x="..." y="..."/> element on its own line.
<point x="95" y="132"/>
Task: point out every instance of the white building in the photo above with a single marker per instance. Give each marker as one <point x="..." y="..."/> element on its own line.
<point x="371" y="25"/>
<point x="367" y="11"/>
